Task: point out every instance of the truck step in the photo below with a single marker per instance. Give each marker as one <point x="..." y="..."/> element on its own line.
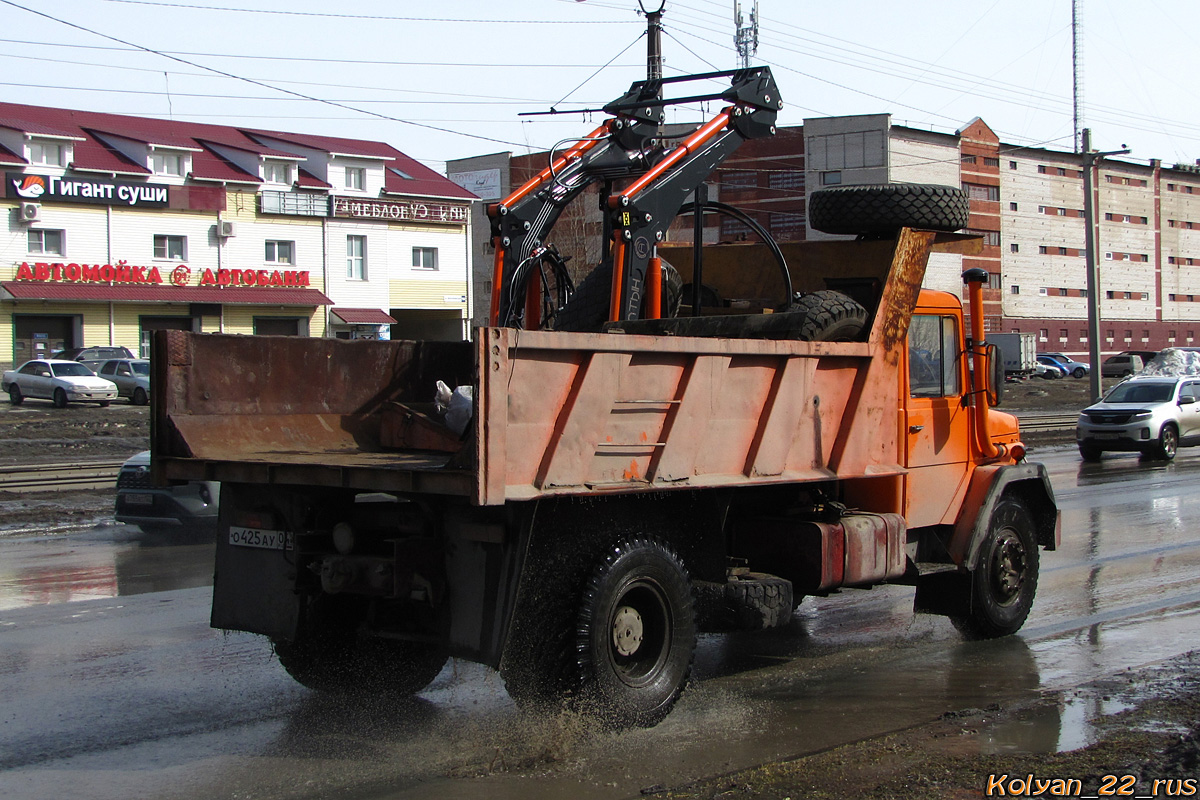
<point x="934" y="567"/>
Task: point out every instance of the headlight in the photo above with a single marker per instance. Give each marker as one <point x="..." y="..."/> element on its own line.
<point x="1141" y="415"/>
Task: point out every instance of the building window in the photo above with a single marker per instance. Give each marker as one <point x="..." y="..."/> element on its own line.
<point x="45" y="153"/>
<point x="831" y="178"/>
<point x="1042" y="169"/>
<point x="280" y="253"/>
<point x="1014" y="289"/>
<point x="1012" y="206"/>
<point x="788" y="180"/>
<point x="356" y="178"/>
<point x="425" y="258"/>
<point x="967" y="159"/>
<point x="166" y="164"/>
<point x="1063" y="293"/>
<point x="1013" y="247"/>
<point x="45" y="243"/>
<point x="977" y="191"/>
<point x="1043" y="249"/>
<point x="1012" y="165"/>
<point x="739" y="179"/>
<point x="356" y="258"/>
<point x="991" y="162"/>
<point x="170" y="247"/>
<point x="1111" y="295"/>
<point x="277" y="173"/>
<point x="993" y="280"/>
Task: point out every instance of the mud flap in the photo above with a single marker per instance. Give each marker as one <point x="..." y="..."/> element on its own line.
<point x="255" y="578"/>
<point x="942" y="593"/>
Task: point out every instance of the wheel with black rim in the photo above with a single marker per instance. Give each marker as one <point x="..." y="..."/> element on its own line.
<point x="635" y="634"/>
<point x="60" y="398"/>
<point x="1167" y="444"/>
<point x="331" y="655"/>
<point x="1004" y="580"/>
<point x="1090" y="452"/>
<point x="14" y="395"/>
<point x="140" y="398"/>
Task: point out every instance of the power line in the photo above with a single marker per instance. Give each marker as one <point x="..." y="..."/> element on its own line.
<point x="371" y="17"/>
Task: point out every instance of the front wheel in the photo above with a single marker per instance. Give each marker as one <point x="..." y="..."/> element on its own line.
<point x="1079" y="372"/>
<point x="140" y="398"/>
<point x="1089" y="452"/>
<point x="103" y="403"/>
<point x="14" y="395"/>
<point x="635" y="634"/>
<point x="1005" y="578"/>
<point x="60" y="398"/>
<point x="1166" y="445"/>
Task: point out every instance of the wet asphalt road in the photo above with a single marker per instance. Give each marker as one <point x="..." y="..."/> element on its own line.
<point x="114" y="686"/>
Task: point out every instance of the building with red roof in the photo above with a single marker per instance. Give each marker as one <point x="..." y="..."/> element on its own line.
<point x="119" y="225"/>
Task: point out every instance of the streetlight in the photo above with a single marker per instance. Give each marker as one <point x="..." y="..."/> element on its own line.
<point x="1090" y="160"/>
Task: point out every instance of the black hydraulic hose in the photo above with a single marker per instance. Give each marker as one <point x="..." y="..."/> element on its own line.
<point x="752" y="224"/>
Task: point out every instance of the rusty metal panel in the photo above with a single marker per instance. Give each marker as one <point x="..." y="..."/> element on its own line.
<point x="874" y="547"/>
<point x="686" y="433"/>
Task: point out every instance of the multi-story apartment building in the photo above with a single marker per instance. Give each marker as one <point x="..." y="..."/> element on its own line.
<point x="117" y="226"/>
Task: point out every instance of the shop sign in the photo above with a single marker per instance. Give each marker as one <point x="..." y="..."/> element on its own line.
<point x="399" y="211"/>
<point x="41" y="188"/>
<point x="124" y="273"/>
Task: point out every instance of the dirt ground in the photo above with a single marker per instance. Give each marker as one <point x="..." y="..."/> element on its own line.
<point x="1156" y="737"/>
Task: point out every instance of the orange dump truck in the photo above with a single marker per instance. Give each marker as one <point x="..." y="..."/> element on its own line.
<point x="612" y="495"/>
<point x="619" y="469"/>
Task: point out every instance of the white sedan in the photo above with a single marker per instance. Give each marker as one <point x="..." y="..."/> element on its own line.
<point x="59" y="381"/>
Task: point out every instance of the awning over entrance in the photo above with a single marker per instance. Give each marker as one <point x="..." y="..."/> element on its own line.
<point x="23" y="290"/>
<point x="363" y="316"/>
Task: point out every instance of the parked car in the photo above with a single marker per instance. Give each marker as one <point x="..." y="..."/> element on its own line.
<point x="1076" y="369"/>
<point x="1122" y="366"/>
<point x="153" y="508"/>
<point x="93" y="356"/>
<point x="59" y="381"/>
<point x="1154" y="415"/>
<point x="1051" y="368"/>
<point x="132" y="377"/>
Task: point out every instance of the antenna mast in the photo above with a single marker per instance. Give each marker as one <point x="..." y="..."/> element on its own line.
<point x="1076" y="68"/>
<point x="746" y="38"/>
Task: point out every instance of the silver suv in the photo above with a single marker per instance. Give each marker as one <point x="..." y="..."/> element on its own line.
<point x="1154" y="415"/>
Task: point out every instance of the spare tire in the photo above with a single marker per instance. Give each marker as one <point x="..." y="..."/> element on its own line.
<point x="830" y="317"/>
<point x="882" y="209"/>
<point x="587" y="310"/>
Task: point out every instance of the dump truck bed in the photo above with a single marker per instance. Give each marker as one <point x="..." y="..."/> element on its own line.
<point x="555" y="412"/>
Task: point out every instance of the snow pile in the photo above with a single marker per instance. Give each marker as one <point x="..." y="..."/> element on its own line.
<point x="1174" y="362"/>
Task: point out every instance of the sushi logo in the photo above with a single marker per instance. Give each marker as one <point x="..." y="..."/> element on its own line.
<point x="31" y="187"/>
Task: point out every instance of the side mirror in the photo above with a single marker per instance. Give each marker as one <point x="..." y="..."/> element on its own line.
<point x="995" y="384"/>
<point x="1186" y="400"/>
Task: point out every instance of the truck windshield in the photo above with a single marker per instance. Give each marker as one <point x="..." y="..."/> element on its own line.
<point x="1141" y="393"/>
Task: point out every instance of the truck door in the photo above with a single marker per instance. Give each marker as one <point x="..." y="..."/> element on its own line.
<point x="938" y="431"/>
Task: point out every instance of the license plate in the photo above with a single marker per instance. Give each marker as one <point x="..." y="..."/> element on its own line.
<point x="139" y="499"/>
<point x="254" y="537"/>
<point x="1107" y="435"/>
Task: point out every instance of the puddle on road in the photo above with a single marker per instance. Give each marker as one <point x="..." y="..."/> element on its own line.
<point x="110" y="561"/>
<point x="1070" y="723"/>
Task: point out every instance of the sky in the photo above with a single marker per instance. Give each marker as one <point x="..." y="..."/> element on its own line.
<point x="450" y="80"/>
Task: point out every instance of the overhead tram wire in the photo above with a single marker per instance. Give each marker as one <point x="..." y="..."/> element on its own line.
<point x="298" y="95"/>
<point x="367" y="17"/>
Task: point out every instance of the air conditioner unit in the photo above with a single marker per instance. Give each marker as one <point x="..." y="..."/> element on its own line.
<point x="226" y="229"/>
<point x="31" y="212"/>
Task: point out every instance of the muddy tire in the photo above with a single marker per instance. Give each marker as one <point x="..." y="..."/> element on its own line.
<point x="14" y="395"/>
<point x="330" y="656"/>
<point x="60" y="398"/>
<point x="831" y="317"/>
<point x="588" y="307"/>
<point x="635" y="634"/>
<point x="882" y="209"/>
<point x="1004" y="582"/>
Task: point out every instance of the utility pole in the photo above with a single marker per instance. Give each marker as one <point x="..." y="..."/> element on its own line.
<point x="1091" y="160"/>
<point x="1076" y="73"/>
<point x="654" y="69"/>
<point x="745" y="37"/>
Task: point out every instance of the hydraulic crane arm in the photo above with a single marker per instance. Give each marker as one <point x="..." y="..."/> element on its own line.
<point x="659" y="180"/>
